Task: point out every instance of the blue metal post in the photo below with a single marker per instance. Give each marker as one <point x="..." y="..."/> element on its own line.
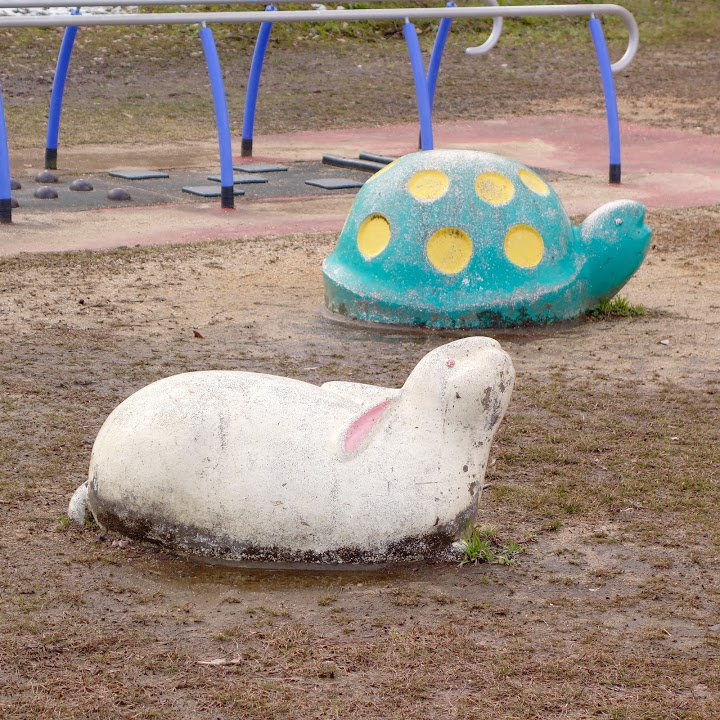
<point x="56" y="97"/>
<point x="437" y="53"/>
<point x="253" y="87"/>
<point x="5" y="189"/>
<point x="227" y="185"/>
<point x="421" y="87"/>
<point x="611" y="110"/>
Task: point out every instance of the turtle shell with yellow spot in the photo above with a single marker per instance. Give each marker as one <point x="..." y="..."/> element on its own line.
<point x="465" y="239"/>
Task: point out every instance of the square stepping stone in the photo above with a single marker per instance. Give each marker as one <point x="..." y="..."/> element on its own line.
<point x="259" y="168"/>
<point x="209" y="191"/>
<point x="138" y="174"/>
<point x="241" y="179"/>
<point x="335" y="183"/>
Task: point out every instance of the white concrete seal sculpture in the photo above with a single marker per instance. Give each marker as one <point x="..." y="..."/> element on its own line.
<point x="256" y="467"/>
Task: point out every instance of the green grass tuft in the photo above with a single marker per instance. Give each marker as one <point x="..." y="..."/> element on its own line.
<point x="63" y="523"/>
<point x="482" y="546"/>
<point x="617" y="307"/>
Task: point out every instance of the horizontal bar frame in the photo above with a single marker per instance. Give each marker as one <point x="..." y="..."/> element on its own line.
<point x="313" y="16"/>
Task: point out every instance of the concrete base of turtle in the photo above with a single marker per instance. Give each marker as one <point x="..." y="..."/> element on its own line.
<point x="463" y="239"/>
<point x="256" y="467"/>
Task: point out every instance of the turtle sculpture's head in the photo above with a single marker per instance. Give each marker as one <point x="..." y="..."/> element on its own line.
<point x="464" y="385"/>
<point x="615" y="240"/>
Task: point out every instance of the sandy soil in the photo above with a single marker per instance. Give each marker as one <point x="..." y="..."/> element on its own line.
<point x="605" y="472"/>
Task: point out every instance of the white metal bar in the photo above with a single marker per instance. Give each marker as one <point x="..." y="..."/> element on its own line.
<point x="492" y="41"/>
<point x="33" y="4"/>
<point x="488" y="45"/>
<point x="312" y="16"/>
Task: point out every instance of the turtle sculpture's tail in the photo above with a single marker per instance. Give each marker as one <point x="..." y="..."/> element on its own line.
<point x="615" y="240"/>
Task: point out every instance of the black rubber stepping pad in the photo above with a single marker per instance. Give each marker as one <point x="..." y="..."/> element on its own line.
<point x="138" y="174"/>
<point x="45" y="193"/>
<point x="259" y="168"/>
<point x="372" y="157"/>
<point x="46" y="177"/>
<point x="15" y="185"/>
<point x="364" y="165"/>
<point x="81" y="185"/>
<point x="119" y="194"/>
<point x="209" y="191"/>
<point x="335" y="183"/>
<point x="241" y="179"/>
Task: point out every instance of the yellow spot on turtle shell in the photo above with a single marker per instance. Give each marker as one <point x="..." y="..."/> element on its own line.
<point x="428" y="184"/>
<point x="449" y="250"/>
<point x="524" y="246"/>
<point x="533" y="182"/>
<point x="494" y="188"/>
<point x="373" y="236"/>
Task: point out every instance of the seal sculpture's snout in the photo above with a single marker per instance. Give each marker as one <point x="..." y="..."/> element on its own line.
<point x="469" y="394"/>
<point x="256" y="467"/>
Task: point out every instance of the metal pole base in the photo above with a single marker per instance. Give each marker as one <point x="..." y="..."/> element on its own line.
<point x="246" y="147"/>
<point x="51" y="158"/>
<point x="615" y="174"/>
<point x="227" y="197"/>
<point x="5" y="211"/>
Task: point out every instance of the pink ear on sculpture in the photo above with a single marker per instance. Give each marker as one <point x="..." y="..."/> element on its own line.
<point x="359" y="430"/>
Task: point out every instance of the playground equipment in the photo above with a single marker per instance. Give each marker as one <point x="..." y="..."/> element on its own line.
<point x="424" y="86"/>
<point x="425" y="104"/>
<point x="5" y="181"/>
<point x="464" y="239"/>
<point x="258" y="467"/>
<point x="253" y="85"/>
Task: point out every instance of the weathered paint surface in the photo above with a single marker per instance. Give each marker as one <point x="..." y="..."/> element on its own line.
<point x="464" y="239"/>
<point x="251" y="466"/>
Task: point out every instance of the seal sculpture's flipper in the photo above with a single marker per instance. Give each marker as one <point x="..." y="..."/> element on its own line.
<point x="360" y="428"/>
<point x="78" y="510"/>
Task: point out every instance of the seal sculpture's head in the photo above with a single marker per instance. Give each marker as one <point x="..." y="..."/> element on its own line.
<point x="257" y="467"/>
<point x="464" y="239"/>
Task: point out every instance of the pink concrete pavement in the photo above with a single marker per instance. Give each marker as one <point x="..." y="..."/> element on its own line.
<point x="661" y="168"/>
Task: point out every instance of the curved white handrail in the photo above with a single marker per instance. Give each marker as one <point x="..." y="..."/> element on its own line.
<point x="574" y="10"/>
<point x="492" y="41"/>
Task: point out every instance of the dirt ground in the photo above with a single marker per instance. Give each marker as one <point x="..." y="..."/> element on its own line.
<point x="122" y="90"/>
<point x="605" y="471"/>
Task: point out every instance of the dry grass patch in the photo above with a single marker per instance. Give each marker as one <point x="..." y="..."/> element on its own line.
<point x="605" y="469"/>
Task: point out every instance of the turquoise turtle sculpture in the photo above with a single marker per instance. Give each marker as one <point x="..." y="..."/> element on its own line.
<point x="465" y="239"/>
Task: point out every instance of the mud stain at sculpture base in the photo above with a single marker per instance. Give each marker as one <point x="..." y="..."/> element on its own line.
<point x="429" y="547"/>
